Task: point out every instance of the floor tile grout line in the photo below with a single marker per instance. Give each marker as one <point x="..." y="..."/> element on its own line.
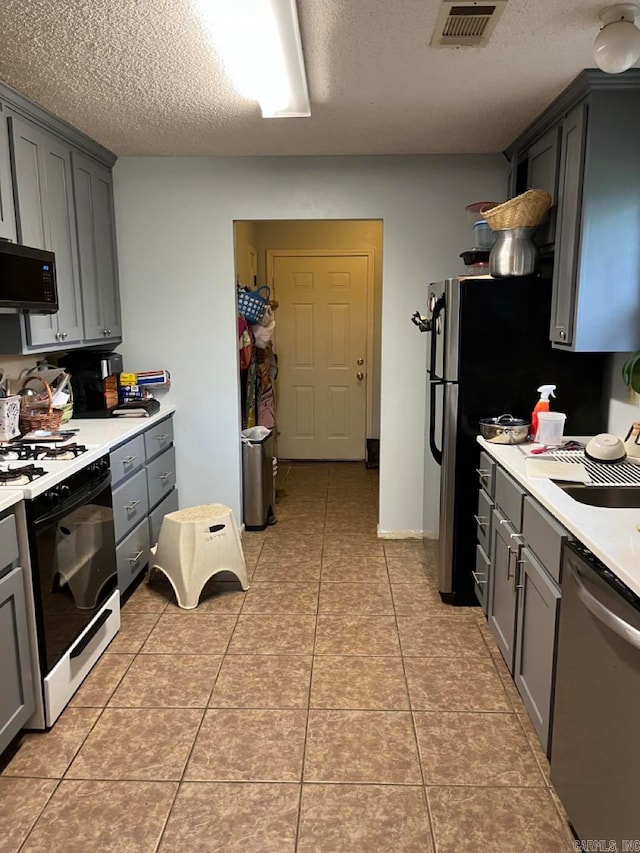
<point x="40" y="813"/>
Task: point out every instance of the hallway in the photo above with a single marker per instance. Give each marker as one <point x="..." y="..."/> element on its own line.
<point x="337" y="705"/>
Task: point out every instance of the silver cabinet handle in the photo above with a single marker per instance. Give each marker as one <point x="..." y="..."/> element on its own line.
<point x="64" y="336"/>
<point x="477" y="579"/>
<point x="135" y="557"/>
<point x="105" y="331"/>
<point x="164" y="476"/>
<point x="163" y="437"/>
<point x="505" y="521"/>
<point x="108" y="331"/>
<point x="481" y="520"/>
<point x="482" y="473"/>
<point x="563" y="334"/>
<point x="128" y="460"/>
<point x="57" y="336"/>
<point x="516" y="536"/>
<point x="131" y="506"/>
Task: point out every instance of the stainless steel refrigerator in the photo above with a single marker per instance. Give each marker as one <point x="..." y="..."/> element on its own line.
<point x="489" y="351"/>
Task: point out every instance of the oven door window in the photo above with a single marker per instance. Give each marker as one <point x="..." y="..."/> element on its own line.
<point x="76" y="571"/>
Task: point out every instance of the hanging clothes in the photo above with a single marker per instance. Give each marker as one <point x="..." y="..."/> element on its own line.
<point x="266" y="402"/>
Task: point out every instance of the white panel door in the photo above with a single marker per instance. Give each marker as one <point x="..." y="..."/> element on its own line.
<point x="321" y="329"/>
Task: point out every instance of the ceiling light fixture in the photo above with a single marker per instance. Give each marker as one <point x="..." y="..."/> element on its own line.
<point x="617" y="45"/>
<point x="259" y="43"/>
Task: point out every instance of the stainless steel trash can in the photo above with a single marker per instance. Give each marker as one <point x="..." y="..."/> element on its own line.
<point x="258" y="488"/>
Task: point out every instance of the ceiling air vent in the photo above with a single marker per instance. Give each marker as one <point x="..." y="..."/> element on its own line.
<point x="466" y="24"/>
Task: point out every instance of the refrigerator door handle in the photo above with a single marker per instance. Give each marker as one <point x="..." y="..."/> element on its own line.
<point x="436" y="326"/>
<point x="436" y="451"/>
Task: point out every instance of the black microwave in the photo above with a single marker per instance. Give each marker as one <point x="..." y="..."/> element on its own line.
<point x="27" y="279"/>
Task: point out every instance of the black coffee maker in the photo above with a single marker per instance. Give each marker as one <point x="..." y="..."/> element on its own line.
<point x="95" y="380"/>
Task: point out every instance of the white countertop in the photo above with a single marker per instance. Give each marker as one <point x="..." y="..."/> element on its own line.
<point x="611" y="534"/>
<point x="8" y="498"/>
<point x="108" y="433"/>
<point x="101" y="435"/>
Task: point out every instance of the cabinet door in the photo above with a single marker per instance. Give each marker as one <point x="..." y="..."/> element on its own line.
<point x="543" y="175"/>
<point x="29" y="185"/>
<point x="17" y="695"/>
<point x="501" y="607"/>
<point x="93" y="194"/>
<point x="565" y="267"/>
<point x="7" y="212"/>
<point x="538" y="610"/>
<point x="46" y="219"/>
<point x="61" y="217"/>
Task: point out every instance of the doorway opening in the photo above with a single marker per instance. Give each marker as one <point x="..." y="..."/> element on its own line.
<point x="316" y="377"/>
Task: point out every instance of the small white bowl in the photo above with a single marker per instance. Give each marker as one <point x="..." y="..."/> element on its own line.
<point x="605" y="447"/>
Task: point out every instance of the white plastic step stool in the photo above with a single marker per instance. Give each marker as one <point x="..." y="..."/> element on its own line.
<point x="194" y="545"/>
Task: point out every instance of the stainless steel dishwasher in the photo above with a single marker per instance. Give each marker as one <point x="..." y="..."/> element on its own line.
<point x="595" y="753"/>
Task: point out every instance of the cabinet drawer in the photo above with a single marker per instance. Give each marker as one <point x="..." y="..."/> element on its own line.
<point x="169" y="504"/>
<point x="486" y="472"/>
<point x="158" y="438"/>
<point x="508" y="497"/>
<point x="130" y="504"/>
<point x="481" y="576"/>
<point x="132" y="555"/>
<point x="127" y="459"/>
<point x="8" y="541"/>
<point x="483" y="519"/>
<point x="543" y="535"/>
<point x="161" y="476"/>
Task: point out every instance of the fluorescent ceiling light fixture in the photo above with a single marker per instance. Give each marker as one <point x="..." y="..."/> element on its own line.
<point x="617" y="45"/>
<point x="259" y="43"/>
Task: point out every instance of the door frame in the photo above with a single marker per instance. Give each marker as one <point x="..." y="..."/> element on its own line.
<point x="272" y="254"/>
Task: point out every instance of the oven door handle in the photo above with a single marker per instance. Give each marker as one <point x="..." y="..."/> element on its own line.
<point x="83" y="497"/>
<point x="93" y="629"/>
<point x="625" y="631"/>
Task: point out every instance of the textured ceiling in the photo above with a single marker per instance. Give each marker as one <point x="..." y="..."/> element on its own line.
<point x="140" y="78"/>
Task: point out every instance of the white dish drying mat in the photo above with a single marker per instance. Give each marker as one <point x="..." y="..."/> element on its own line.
<point x="601" y="473"/>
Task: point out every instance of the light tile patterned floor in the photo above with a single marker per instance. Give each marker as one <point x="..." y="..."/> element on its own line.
<point x="337" y="705"/>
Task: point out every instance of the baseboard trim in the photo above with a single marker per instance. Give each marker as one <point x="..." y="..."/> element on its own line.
<point x="400" y="534"/>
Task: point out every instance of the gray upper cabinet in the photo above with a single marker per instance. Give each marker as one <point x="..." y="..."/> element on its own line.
<point x="7" y="213"/>
<point x="590" y="133"/>
<point x="565" y="273"/>
<point x="56" y="194"/>
<point x="45" y="217"/>
<point x="542" y="173"/>
<point x="93" y="194"/>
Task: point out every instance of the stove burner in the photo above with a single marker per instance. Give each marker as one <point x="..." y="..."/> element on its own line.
<point x="21" y="452"/>
<point x="15" y="451"/>
<point x="65" y="451"/>
<point x="26" y="472"/>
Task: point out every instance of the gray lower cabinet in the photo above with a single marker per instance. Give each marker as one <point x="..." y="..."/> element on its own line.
<point x="143" y="483"/>
<point x="132" y="554"/>
<point x="45" y="218"/>
<point x="523" y="593"/>
<point x="538" y="613"/>
<point x="93" y="194"/>
<point x="501" y="605"/>
<point x="17" y="699"/>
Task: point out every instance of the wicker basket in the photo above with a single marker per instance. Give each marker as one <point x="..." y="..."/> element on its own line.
<point x="35" y="416"/>
<point x="524" y="211"/>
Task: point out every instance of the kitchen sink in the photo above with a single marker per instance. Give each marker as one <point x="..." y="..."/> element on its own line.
<point x="613" y="497"/>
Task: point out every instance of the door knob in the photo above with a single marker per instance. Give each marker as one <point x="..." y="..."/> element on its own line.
<point x="360" y="361"/>
<point x="359" y="375"/>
